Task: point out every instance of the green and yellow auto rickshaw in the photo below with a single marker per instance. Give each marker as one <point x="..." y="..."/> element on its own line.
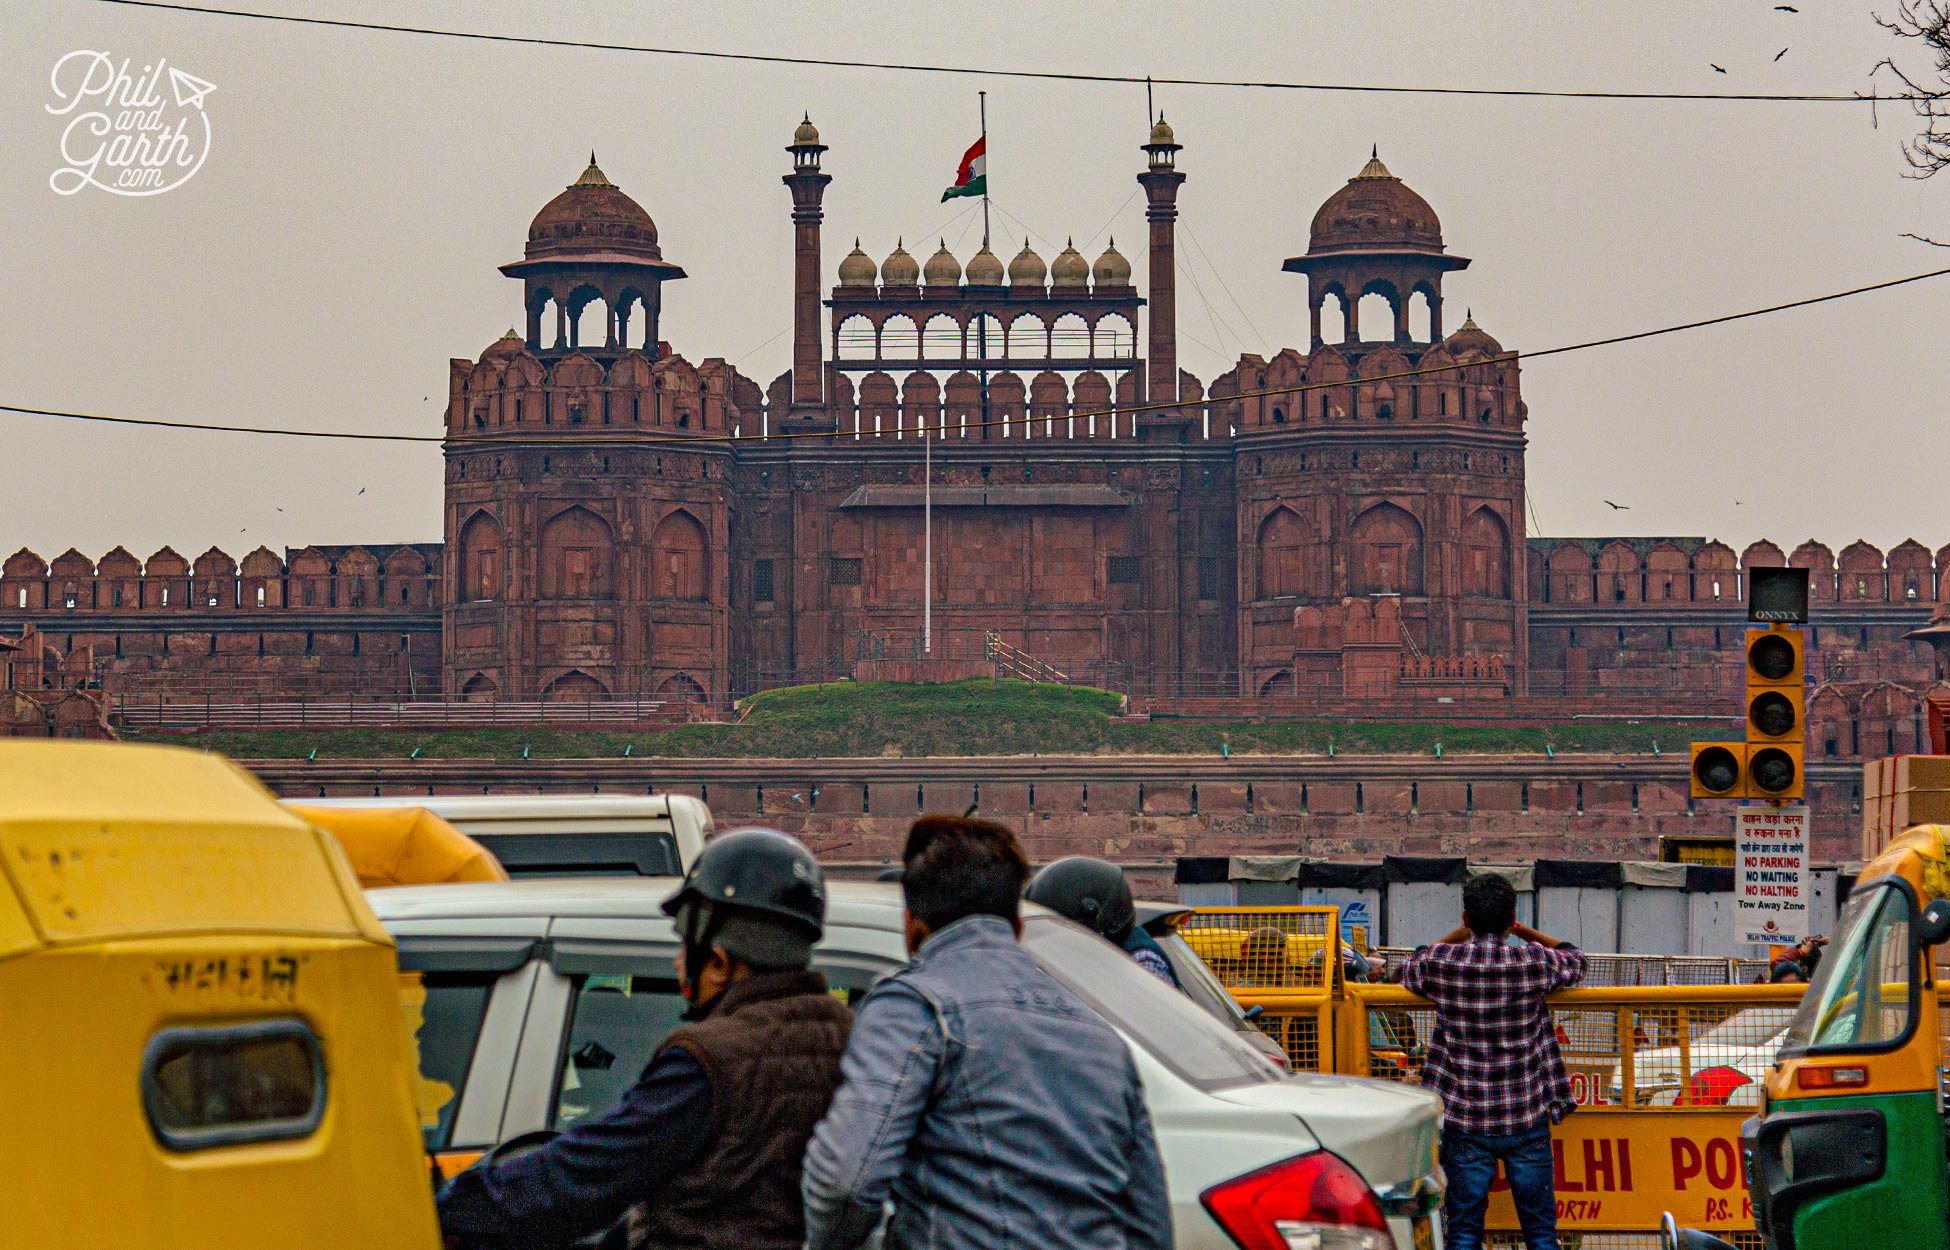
<point x="1848" y="1151"/>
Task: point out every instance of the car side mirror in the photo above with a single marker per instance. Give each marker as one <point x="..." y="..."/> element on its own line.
<point x="1933" y="927"/>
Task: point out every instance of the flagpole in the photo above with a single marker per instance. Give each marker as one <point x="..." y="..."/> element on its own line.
<point x="982" y="321"/>
<point x="927" y="542"/>
<point x="984" y="97"/>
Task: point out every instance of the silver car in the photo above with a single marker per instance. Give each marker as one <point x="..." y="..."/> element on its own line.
<point x="539" y="1002"/>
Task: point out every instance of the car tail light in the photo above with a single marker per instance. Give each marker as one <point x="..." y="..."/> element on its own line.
<point x="1310" y="1202"/>
<point x="1711" y="1087"/>
<point x="1831" y="1078"/>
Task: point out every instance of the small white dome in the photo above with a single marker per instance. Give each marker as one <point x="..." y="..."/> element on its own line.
<point x="857" y="268"/>
<point x="942" y="268"/>
<point x="899" y="269"/>
<point x="1027" y="269"/>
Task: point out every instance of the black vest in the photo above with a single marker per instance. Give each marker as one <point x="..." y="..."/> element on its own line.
<point x="771" y="1050"/>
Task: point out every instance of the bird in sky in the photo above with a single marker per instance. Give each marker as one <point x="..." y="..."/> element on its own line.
<point x="1716" y="69"/>
<point x="1785" y="8"/>
<point x="1618" y="507"/>
<point x="280" y="509"/>
<point x="362" y="490"/>
<point x="1780" y="54"/>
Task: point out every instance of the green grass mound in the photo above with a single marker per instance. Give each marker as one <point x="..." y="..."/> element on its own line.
<point x="959" y="718"/>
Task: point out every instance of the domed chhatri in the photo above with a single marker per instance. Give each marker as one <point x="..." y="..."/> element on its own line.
<point x="1027" y="268"/>
<point x="1375" y="211"/>
<point x="1161" y="133"/>
<point x="592" y="216"/>
<point x="1069" y="269"/>
<point x="1470" y="337"/>
<point x="942" y="270"/>
<point x="1111" y="268"/>
<point x="807" y="132"/>
<point x="505" y="346"/>
<point x="985" y="268"/>
<point x="899" y="269"/>
<point x="857" y="268"/>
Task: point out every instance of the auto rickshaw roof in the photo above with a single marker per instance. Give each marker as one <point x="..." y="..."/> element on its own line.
<point x="110" y="841"/>
<point x="1921" y="856"/>
<point x="396" y="846"/>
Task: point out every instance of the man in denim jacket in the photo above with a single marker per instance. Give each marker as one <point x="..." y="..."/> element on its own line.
<point x="983" y="1099"/>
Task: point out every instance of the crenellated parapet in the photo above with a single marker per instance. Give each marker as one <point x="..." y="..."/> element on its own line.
<point x="1629" y="571"/>
<point x="397" y="578"/>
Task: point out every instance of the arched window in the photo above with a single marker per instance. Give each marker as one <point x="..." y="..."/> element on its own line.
<point x="1281" y="573"/>
<point x="900" y="338"/>
<point x="480" y="560"/>
<point x="1114" y="338"/>
<point x="578" y="554"/>
<point x="1421" y="318"/>
<point x="941" y="338"/>
<point x="1069" y="337"/>
<point x="986" y="338"/>
<point x="1028" y="338"/>
<point x="1387" y="543"/>
<point x="574" y="687"/>
<point x="1333" y="318"/>
<point x="588" y="319"/>
<point x="1486" y="556"/>
<point x="1374" y="319"/>
<point x="855" y="340"/>
<point x="679" y="561"/>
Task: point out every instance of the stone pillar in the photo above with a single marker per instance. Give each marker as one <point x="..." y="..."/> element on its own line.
<point x="808" y="187"/>
<point x="1160" y="181"/>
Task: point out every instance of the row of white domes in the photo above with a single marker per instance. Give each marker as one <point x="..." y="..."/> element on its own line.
<point x="1068" y="270"/>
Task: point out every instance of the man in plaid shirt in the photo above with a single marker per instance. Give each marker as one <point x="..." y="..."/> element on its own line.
<point x="1494" y="1060"/>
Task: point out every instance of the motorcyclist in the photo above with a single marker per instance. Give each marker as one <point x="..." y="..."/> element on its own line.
<point x="705" y="1150"/>
<point x="1094" y="894"/>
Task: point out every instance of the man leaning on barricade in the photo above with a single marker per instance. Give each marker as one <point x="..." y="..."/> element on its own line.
<point x="982" y="1101"/>
<point x="1494" y="1059"/>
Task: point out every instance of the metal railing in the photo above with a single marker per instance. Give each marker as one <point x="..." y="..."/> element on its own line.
<point x="1663" y="1070"/>
<point x="1018" y="663"/>
<point x="176" y="712"/>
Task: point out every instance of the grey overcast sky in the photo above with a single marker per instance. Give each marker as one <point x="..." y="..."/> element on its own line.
<point x="340" y="243"/>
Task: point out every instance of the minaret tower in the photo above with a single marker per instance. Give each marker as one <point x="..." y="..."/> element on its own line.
<point x="808" y="186"/>
<point x="1160" y="181"/>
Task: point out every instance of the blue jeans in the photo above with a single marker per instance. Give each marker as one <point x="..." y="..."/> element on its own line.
<point x="1470" y="1159"/>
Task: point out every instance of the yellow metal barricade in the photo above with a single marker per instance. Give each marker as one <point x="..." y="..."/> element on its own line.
<point x="1663" y="1077"/>
<point x="1666" y="1056"/>
<point x="1283" y="960"/>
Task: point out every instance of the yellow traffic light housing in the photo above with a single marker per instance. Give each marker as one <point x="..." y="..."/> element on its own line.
<point x="1776" y="714"/>
<point x="1774" y="770"/>
<point x="1719" y="770"/>
<point x="1775" y="657"/>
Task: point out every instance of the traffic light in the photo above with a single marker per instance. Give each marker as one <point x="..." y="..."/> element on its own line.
<point x="1719" y="770"/>
<point x="1776" y="714"/>
<point x="1774" y="771"/>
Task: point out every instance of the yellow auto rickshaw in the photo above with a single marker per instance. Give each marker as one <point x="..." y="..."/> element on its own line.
<point x="201" y="1046"/>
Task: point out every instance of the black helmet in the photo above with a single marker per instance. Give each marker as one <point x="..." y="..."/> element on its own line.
<point x="1091" y="892"/>
<point x="755" y="889"/>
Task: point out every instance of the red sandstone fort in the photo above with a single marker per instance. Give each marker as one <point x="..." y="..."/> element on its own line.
<point x="1310" y="534"/>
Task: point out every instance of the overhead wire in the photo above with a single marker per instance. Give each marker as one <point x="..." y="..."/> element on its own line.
<point x="694" y="439"/>
<point x="764" y="58"/>
<point x="1224" y="285"/>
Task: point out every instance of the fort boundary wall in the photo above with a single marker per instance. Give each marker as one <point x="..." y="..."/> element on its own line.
<point x="1145" y="812"/>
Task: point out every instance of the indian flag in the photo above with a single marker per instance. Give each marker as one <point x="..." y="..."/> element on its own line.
<point x="973" y="176"/>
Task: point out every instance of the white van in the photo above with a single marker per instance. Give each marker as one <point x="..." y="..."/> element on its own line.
<point x="583" y="835"/>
